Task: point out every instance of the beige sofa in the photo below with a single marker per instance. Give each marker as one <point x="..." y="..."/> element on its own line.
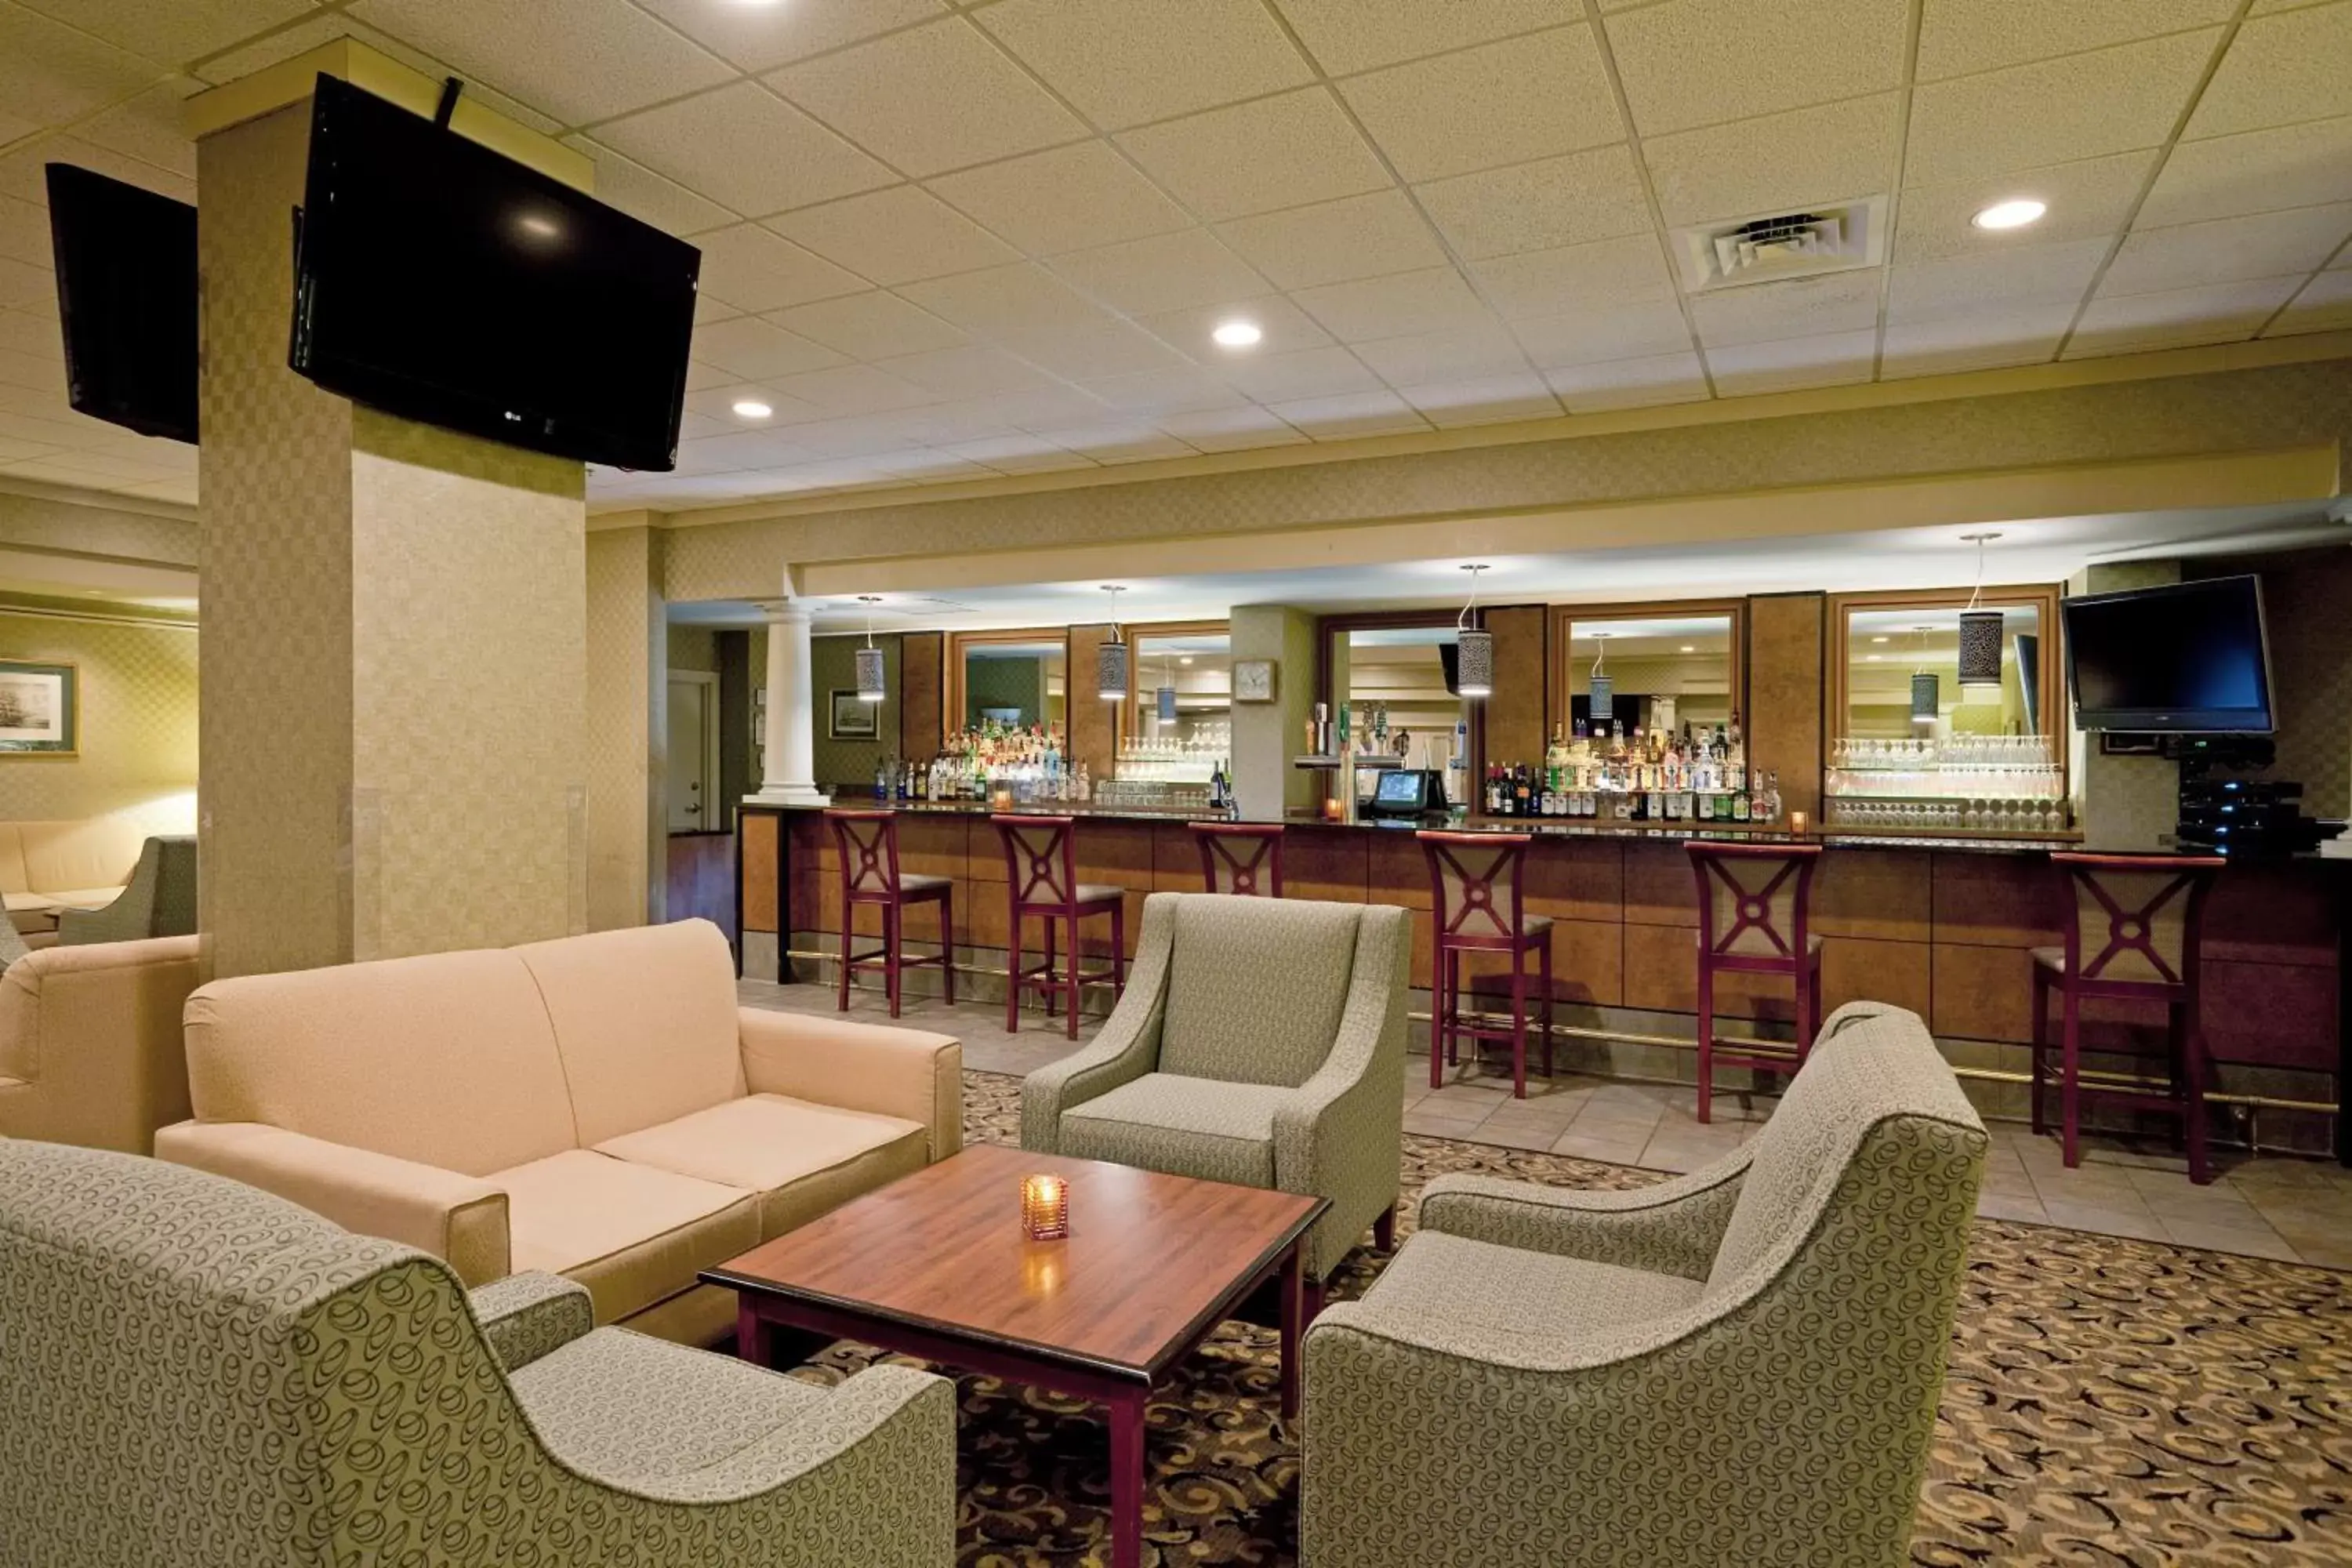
<point x="90" y="1042"/>
<point x="597" y="1107"/>
<point x="79" y="864"/>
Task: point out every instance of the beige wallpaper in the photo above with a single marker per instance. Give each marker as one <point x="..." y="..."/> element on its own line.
<point x="2307" y="603"/>
<point x="138" y="750"/>
<point x="694" y="648"/>
<point x="847" y="767"/>
<point x="626" y="737"/>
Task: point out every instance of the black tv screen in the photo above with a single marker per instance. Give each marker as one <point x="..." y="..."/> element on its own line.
<point x="443" y="282"/>
<point x="126" y="261"/>
<point x="2186" y="657"/>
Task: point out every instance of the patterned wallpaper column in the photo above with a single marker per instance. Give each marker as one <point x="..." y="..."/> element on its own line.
<point x="627" y="676"/>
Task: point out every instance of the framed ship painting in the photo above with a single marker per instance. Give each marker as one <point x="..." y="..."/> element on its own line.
<point x="39" y="709"/>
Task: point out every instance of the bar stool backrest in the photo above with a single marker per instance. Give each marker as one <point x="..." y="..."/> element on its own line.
<point x="869" y="843"/>
<point x="1475" y="880"/>
<point x="1240" y="858"/>
<point x="1753" y="899"/>
<point x="2136" y="917"/>
<point x="1041" y="860"/>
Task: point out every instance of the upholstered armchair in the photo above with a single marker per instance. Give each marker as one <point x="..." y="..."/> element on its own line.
<point x="199" y="1374"/>
<point x="1736" y="1369"/>
<point x="1260" y="1041"/>
<point x="160" y="900"/>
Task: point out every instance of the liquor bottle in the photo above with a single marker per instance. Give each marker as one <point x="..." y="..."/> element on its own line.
<point x="1523" y="788"/>
<point x="1742" y="809"/>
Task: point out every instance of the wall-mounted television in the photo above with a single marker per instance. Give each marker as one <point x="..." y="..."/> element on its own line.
<point x="2188" y="658"/>
<point x="446" y="283"/>
<point x="126" y="261"/>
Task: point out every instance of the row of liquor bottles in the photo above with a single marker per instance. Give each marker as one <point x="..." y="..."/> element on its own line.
<point x="1516" y="789"/>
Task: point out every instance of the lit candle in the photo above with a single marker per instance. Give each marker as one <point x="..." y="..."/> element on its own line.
<point x="1332" y="810"/>
<point x="1001" y="800"/>
<point x="1797" y="823"/>
<point x="1045" y="1207"/>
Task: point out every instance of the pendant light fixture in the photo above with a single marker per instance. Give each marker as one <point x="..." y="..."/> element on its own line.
<point x="1110" y="657"/>
<point x="1600" y="704"/>
<point x="1979" y="630"/>
<point x="1927" y="693"/>
<point x="872" y="686"/>
<point x="1164" y="699"/>
<point x="1474" y="646"/>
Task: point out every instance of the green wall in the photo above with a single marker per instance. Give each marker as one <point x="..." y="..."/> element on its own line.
<point x="1004" y="683"/>
<point x="833" y="666"/>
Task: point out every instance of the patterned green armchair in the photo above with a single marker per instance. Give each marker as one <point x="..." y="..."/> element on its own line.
<point x="196" y="1374"/>
<point x="1259" y="1041"/>
<point x="1736" y="1369"/>
<point x="160" y="900"/>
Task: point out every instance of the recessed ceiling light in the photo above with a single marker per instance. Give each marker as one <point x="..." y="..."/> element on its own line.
<point x="1878" y="639"/>
<point x="1872" y="658"/>
<point x="1237" y="334"/>
<point x="2015" y="214"/>
<point x="1689" y="648"/>
<point x="751" y="408"/>
<point x="1185" y="660"/>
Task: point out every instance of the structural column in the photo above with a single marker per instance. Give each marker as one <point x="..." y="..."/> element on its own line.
<point x="628" y="752"/>
<point x="788" y="774"/>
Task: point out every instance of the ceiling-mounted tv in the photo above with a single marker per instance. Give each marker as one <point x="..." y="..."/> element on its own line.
<point x="126" y="261"/>
<point x="443" y="282"/>
<point x="2188" y="658"/>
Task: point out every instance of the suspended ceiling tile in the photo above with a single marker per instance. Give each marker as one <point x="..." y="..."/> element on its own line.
<point x="1979" y="339"/>
<point x="2253" y="172"/>
<point x="707" y="310"/>
<point x="979" y="370"/>
<point x="746" y="148"/>
<point x="1794" y="364"/>
<point x="1092" y="345"/>
<point x="649" y="197"/>
<point x="1273" y="153"/>
<point x="1615" y="332"/>
<point x="1186" y="269"/>
<point x="754" y="268"/>
<point x="1958" y="37"/>
<point x="149" y="127"/>
<point x="1539" y="206"/>
<point x="51" y="73"/>
<point x="1001" y="299"/>
<point x="1355" y="414"/>
<point x="1232" y="429"/>
<point x="2033" y="273"/>
<point x="1700" y="62"/>
<point x="1436" y="299"/>
<point x="1629" y="270"/>
<point x="1488" y="400"/>
<point x="1066" y="199"/>
<point x="2080" y="106"/>
<point x="1284" y="327"/>
<point x="2092" y="197"/>
<point x="1153" y="394"/>
<point x="930" y="99"/>
<point x="749" y="347"/>
<point x="2228" y="249"/>
<point x="1308" y="373"/>
<point x="1457" y="354"/>
<point x="1349" y="35"/>
<point x="901" y="235"/>
<point x="1806" y="157"/>
<point x="1806" y="308"/>
<point x="580" y="61"/>
<point x="1020" y="453"/>
<point x="870" y="326"/>
<point x="1642" y="382"/>
<point x="22" y="172"/>
<point x="171" y="33"/>
<point x="1109" y="442"/>
<point x="2178" y="318"/>
<point x="1125" y="62"/>
<point x="2280" y="70"/>
<point x="854" y="389"/>
<point x="25" y="233"/>
<point x="757" y="38"/>
<point x="2324" y="305"/>
<point x="1335" y="242"/>
<point x="1528" y="97"/>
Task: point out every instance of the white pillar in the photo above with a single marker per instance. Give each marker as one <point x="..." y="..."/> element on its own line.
<point x="789" y="769"/>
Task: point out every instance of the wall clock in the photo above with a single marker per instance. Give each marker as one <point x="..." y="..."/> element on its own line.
<point x="1253" y="680"/>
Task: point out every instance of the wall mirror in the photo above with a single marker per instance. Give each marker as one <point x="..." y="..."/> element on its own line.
<point x="1656" y="667"/>
<point x="1018" y="679"/>
<point x="1896" y="674"/>
<point x="1399" y="674"/>
<point x="1180" y="710"/>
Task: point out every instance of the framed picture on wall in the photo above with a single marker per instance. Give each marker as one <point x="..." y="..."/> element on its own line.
<point x="40" y="708"/>
<point x="853" y="717"/>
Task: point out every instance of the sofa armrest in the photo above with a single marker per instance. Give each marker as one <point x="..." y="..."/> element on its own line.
<point x="525" y="1316"/>
<point x="910" y="1073"/>
<point x="461" y="1219"/>
<point x="1669" y="1227"/>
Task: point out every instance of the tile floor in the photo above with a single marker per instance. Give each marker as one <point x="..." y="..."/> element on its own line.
<point x="2270" y="1206"/>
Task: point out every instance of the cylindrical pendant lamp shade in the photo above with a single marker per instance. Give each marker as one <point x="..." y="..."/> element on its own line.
<point x="1474" y="663"/>
<point x="1980" y="647"/>
<point x="871" y="685"/>
<point x="1165" y="699"/>
<point x="1925" y="699"/>
<point x="1110" y="670"/>
<point x="1601" y="700"/>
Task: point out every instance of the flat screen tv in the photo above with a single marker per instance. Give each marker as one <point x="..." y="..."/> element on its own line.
<point x="443" y="282"/>
<point x="126" y="261"/>
<point x="2186" y="657"/>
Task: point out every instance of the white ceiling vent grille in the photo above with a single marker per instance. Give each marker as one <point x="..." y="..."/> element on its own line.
<point x="1770" y="246"/>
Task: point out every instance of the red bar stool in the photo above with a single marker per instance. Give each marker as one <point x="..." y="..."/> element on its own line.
<point x="2134" y="937"/>
<point x="1041" y="867"/>
<point x="869" y="843"/>
<point x="1243" y="858"/>
<point x="1753" y="901"/>
<point x="1476" y="908"/>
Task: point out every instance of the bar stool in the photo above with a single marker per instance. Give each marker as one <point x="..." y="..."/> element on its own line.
<point x="2134" y="937"/>
<point x="1041" y="867"/>
<point x="1243" y="858"/>
<point x="1753" y="901"/>
<point x="1476" y="908"/>
<point x="869" y="843"/>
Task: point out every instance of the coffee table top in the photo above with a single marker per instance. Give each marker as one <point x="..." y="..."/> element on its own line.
<point x="1150" y="1263"/>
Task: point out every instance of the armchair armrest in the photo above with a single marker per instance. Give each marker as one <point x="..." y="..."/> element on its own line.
<point x="1125" y="1049"/>
<point x="459" y="1218"/>
<point x="910" y="1073"/>
<point x="524" y="1316"/>
<point x="1671" y="1227"/>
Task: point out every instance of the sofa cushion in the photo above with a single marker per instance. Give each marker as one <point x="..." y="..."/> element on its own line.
<point x="83" y="898"/>
<point x="632" y="1234"/>
<point x="1451" y="1279"/>
<point x="1199" y="1127"/>
<point x="619" y="1405"/>
<point x="1255" y="987"/>
<point x="12" y="861"/>
<point x="801" y="1159"/>
<point x="30" y="903"/>
<point x="645" y="1020"/>
<point x="88" y="852"/>
<point x="447" y="1060"/>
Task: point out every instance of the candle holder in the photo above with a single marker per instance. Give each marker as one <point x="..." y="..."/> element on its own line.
<point x="1001" y="800"/>
<point x="1045" y="1207"/>
<point x="1797" y="823"/>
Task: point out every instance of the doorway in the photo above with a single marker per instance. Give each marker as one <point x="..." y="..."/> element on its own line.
<point x="693" y="791"/>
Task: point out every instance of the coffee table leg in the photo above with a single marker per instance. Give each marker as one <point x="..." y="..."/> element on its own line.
<point x="1127" y="1481"/>
<point x="752" y="1337"/>
<point x="1294" y="1323"/>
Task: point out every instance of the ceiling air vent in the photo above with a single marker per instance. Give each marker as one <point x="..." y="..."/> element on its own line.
<point x="1770" y="246"/>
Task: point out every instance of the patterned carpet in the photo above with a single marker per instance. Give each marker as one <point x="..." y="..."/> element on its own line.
<point x="2110" y="1404"/>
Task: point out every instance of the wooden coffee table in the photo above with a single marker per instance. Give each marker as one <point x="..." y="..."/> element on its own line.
<point x="935" y="1265"/>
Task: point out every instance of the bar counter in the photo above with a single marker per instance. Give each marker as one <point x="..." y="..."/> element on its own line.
<point x="1942" y="926"/>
